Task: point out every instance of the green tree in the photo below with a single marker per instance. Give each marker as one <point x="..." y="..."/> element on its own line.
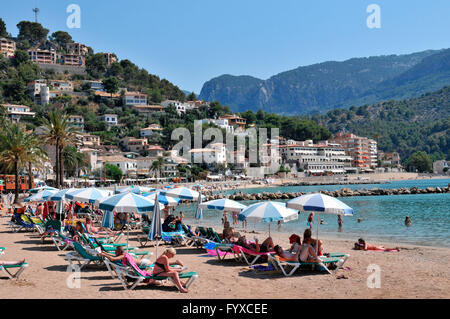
<point x="111" y="85"/>
<point x="62" y="38"/>
<point x="31" y="31"/>
<point x="158" y="165"/>
<point x="74" y="161"/>
<point x="3" y="32"/>
<point x="113" y="172"/>
<point x="16" y="150"/>
<point x="96" y="65"/>
<point x="58" y="131"/>
<point x="21" y="56"/>
<point x="191" y="97"/>
<point x="419" y="161"/>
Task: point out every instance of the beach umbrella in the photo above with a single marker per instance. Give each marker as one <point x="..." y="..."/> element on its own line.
<point x="61" y="195"/>
<point x="320" y="203"/>
<point x="42" y="196"/>
<point x="128" y="203"/>
<point x="182" y="193"/>
<point x="155" y="231"/>
<point x="199" y="212"/>
<point x="268" y="212"/>
<point x="136" y="189"/>
<point x="38" y="189"/>
<point x="224" y="204"/>
<point x="89" y="195"/>
<point x="108" y="219"/>
<point x="166" y="200"/>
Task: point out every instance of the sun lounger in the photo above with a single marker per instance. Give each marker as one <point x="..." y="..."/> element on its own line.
<point x="133" y="272"/>
<point x="2" y="251"/>
<point x="6" y="269"/>
<point x="241" y="253"/>
<point x="223" y="250"/>
<point x="283" y="265"/>
<point x="20" y="224"/>
<point x="83" y="256"/>
<point x="62" y="242"/>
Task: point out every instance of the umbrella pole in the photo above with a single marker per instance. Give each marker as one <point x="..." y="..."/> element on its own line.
<point x="317" y="236"/>
<point x="269" y="229"/>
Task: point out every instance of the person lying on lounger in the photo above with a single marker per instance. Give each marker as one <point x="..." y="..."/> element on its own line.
<point x="162" y="268"/>
<point x="120" y="255"/>
<point x="305" y="253"/>
<point x="295" y="242"/>
<point x="362" y="245"/>
<point x="265" y="247"/>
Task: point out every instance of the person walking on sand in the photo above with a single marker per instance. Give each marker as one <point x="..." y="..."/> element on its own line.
<point x="340" y="222"/>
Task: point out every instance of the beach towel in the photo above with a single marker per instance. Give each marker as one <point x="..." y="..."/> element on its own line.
<point x="128" y="259"/>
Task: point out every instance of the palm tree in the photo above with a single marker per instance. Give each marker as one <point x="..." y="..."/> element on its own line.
<point x="74" y="161"/>
<point x="17" y="148"/>
<point x="36" y="157"/>
<point x="59" y="132"/>
<point x="158" y="165"/>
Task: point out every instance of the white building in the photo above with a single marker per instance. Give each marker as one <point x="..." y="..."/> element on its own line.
<point x="441" y="167"/>
<point x="150" y="130"/>
<point x="213" y="155"/>
<point x="111" y="119"/>
<point x="222" y="123"/>
<point x="16" y="112"/>
<point x="134" y="98"/>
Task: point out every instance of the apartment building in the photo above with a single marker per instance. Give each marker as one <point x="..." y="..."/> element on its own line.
<point x="128" y="166"/>
<point x="77" y="121"/>
<point x="95" y="85"/>
<point x="7" y="47"/>
<point x="362" y="150"/>
<point x="317" y="159"/>
<point x="110" y="58"/>
<point x="390" y="159"/>
<point x="88" y="140"/>
<point x="77" y="48"/>
<point x="72" y="60"/>
<point x="213" y="155"/>
<point x="16" y="112"/>
<point x="43" y="56"/>
<point x="222" y="123"/>
<point x="134" y="98"/>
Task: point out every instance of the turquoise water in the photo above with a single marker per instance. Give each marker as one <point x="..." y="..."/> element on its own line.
<point x="382" y="216"/>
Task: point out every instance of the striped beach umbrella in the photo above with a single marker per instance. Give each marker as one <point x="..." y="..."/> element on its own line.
<point x="268" y="212"/>
<point x="89" y="195"/>
<point x="223" y="204"/>
<point x="136" y="189"/>
<point x="128" y="203"/>
<point x="182" y="193"/>
<point x="43" y="188"/>
<point x="320" y="203"/>
<point x="42" y="196"/>
<point x="61" y="195"/>
<point x="166" y="200"/>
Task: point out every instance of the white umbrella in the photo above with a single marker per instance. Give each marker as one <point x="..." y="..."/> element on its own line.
<point x="268" y="212"/>
<point x="42" y="196"/>
<point x="136" y="189"/>
<point x="182" y="193"/>
<point x="89" y="195"/>
<point x="224" y="204"/>
<point x="320" y="203"/>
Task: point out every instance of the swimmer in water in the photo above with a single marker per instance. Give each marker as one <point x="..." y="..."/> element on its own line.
<point x="407" y="221"/>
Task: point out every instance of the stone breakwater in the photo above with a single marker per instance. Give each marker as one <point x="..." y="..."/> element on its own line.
<point x="344" y="192"/>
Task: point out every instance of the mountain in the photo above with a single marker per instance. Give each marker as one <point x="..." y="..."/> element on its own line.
<point x="324" y="86"/>
<point x="406" y="126"/>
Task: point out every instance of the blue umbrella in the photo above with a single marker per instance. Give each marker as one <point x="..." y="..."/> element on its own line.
<point x="224" y="204"/>
<point x="136" y="189"/>
<point x="182" y="193"/>
<point x="166" y="200"/>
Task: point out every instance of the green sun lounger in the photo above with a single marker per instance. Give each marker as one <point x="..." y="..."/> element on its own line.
<point x="6" y="269"/>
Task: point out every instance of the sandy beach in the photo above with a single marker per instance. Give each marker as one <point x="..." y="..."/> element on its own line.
<point x="414" y="272"/>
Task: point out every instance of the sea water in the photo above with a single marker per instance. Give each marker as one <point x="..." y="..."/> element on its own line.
<point x="382" y="217"/>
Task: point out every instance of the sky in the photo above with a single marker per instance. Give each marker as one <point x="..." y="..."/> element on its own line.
<point x="189" y="42"/>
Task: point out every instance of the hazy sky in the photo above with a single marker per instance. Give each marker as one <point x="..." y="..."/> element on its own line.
<point x="191" y="41"/>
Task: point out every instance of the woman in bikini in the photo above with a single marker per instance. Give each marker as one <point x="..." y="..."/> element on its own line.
<point x="362" y="245"/>
<point x="306" y="253"/>
<point x="162" y="268"/>
<point x="120" y="255"/>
